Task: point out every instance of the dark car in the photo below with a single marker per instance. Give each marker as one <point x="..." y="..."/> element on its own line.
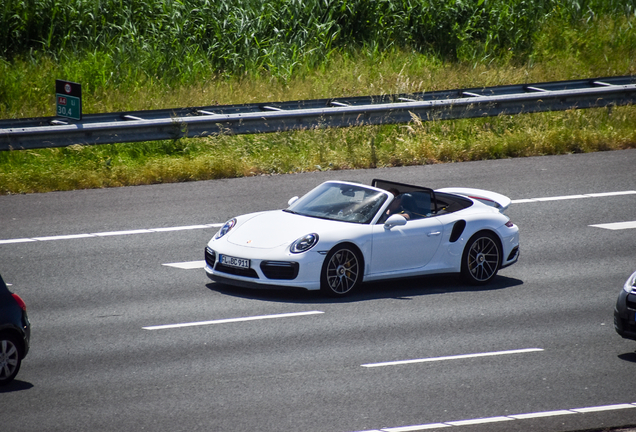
<point x="15" y="333"/>
<point x="624" y="319"/>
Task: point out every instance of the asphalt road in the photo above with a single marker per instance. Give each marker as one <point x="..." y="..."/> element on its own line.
<point x="534" y="351"/>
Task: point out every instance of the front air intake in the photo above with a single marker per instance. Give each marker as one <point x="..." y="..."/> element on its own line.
<point x="210" y="256"/>
<point x="287" y="270"/>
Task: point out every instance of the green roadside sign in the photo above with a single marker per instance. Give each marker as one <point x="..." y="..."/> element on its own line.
<point x="68" y="96"/>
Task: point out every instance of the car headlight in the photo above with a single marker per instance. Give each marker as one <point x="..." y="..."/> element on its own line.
<point x="304" y="243"/>
<point x="225" y="228"/>
<point x="630" y="285"/>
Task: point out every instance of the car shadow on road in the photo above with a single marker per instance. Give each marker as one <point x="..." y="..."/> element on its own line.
<point x="630" y="357"/>
<point x="393" y="289"/>
<point x="16" y="385"/>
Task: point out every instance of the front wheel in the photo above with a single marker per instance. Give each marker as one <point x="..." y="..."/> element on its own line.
<point x="481" y="259"/>
<point x="10" y="359"/>
<point x="341" y="272"/>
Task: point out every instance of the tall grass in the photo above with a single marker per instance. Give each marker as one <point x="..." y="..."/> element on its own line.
<point x="115" y="46"/>
<point x="186" y="39"/>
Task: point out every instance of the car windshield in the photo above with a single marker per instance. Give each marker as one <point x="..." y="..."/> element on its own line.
<point x="341" y="202"/>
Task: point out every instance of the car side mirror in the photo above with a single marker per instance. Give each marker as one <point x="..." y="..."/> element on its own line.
<point x="292" y="200"/>
<point x="394" y="220"/>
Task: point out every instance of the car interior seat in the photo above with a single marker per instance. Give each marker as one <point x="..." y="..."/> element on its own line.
<point x="418" y="204"/>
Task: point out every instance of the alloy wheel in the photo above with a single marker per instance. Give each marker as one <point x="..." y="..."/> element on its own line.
<point x="342" y="273"/>
<point x="9" y="360"/>
<point x="483" y="259"/>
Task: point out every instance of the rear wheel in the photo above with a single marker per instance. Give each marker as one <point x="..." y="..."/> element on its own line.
<point x="342" y="271"/>
<point x="10" y="358"/>
<point x="481" y="259"/>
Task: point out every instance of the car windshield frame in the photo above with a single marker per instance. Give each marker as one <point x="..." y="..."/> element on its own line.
<point x="341" y="201"/>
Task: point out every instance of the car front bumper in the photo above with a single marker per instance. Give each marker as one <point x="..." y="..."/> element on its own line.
<point x="625" y="315"/>
<point x="284" y="271"/>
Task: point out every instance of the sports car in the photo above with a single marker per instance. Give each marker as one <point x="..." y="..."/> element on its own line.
<point x="341" y="234"/>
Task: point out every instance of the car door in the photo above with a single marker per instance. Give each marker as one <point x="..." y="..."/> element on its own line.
<point x="405" y="247"/>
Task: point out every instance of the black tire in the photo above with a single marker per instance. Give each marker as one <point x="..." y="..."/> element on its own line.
<point x="481" y="258"/>
<point x="341" y="271"/>
<point x="10" y="358"/>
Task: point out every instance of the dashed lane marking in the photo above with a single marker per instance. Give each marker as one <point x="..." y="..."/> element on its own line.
<point x="453" y="357"/>
<point x="569" y="197"/>
<point x="188" y="265"/>
<point x="486" y="420"/>
<point x="110" y="233"/>
<point x="231" y="320"/>
<point x="616" y="225"/>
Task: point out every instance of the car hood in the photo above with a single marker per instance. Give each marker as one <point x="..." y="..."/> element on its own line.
<point x="272" y="229"/>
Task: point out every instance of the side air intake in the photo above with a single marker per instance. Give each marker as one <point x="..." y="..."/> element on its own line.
<point x="458" y="229"/>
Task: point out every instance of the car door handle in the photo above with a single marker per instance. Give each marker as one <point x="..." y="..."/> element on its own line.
<point x="434" y="233"/>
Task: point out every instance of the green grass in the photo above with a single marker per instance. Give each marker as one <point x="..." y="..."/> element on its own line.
<point x="176" y="57"/>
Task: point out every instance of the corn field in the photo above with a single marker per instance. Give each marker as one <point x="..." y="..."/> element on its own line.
<point x="179" y="39"/>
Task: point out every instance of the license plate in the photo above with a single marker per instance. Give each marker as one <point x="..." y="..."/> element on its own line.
<point x="234" y="262"/>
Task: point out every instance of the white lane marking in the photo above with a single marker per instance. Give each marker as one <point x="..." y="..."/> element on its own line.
<point x="505" y="418"/>
<point x="616" y="225"/>
<point x="454" y="357"/>
<point x="415" y="428"/>
<point x="606" y="194"/>
<point x="541" y="414"/>
<point x="479" y="421"/>
<point x="65" y="237"/>
<point x="231" y="320"/>
<point x="603" y="408"/>
<point x="19" y="240"/>
<point x="118" y="233"/>
<point x="554" y="198"/>
<point x="110" y="233"/>
<point x="188" y="265"/>
<point x="567" y="197"/>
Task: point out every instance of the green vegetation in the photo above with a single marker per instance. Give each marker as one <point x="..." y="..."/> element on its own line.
<point x="174" y="53"/>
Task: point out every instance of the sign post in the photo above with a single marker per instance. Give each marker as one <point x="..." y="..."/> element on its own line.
<point x="68" y="96"/>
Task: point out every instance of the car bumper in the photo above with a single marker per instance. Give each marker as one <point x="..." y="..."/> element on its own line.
<point x="625" y="315"/>
<point x="26" y="335"/>
<point x="513" y="257"/>
<point x="216" y="277"/>
<point x="283" y="271"/>
<point x="510" y="243"/>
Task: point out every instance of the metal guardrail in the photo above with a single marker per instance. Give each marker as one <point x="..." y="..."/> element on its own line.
<point x="153" y="125"/>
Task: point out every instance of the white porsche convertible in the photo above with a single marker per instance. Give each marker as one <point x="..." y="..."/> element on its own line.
<point x="341" y="233"/>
